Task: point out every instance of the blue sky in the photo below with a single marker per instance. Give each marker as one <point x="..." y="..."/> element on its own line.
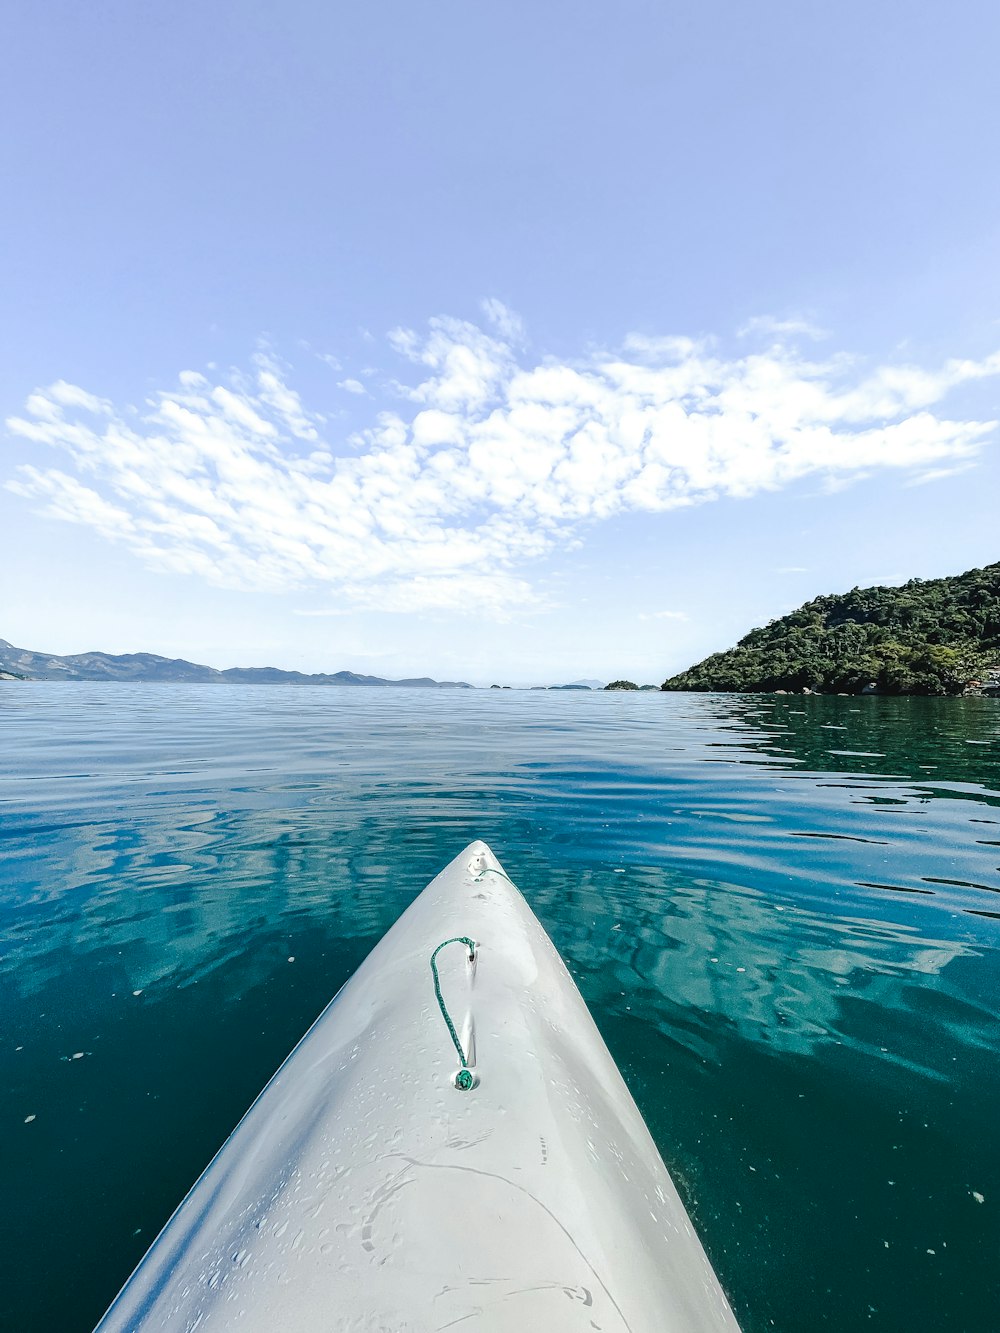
<point x="519" y="343"/>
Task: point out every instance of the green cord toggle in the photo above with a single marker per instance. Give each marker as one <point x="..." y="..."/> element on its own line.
<point x="465" y="1080"/>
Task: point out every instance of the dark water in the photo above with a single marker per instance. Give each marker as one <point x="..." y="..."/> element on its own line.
<point x="783" y="912"/>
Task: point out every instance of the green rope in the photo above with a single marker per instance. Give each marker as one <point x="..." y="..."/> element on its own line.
<point x="464" y="1079"/>
<point x="490" y="870"/>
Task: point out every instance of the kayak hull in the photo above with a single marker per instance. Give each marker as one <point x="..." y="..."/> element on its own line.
<point x="364" y="1192"/>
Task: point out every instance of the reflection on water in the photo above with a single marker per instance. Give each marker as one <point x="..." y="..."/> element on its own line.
<point x="783" y="912"/>
<point x="707" y="952"/>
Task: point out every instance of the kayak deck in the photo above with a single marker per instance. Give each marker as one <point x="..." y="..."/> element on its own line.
<point x="365" y="1191"/>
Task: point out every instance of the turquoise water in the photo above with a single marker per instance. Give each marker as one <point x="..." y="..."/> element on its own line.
<point x="784" y="913"/>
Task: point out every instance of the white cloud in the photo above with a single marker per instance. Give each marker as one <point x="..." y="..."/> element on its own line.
<point x="352" y="386"/>
<point x="789" y="327"/>
<point x="505" y="321"/>
<point x="938" y="474"/>
<point x="487" y="462"/>
<point x="50" y="404"/>
<point x="662" y="615"/>
<point x="470" y="366"/>
<point x="283" y="401"/>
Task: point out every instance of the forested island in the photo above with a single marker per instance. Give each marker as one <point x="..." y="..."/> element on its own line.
<point x="930" y="637"/>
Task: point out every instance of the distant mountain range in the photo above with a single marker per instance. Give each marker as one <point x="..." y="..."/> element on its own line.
<point x="23" y="663"/>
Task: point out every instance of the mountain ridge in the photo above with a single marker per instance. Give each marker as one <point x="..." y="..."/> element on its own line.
<point x="150" y="668"/>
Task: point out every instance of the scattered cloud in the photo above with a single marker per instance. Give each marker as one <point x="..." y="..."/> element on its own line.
<point x="662" y="615"/>
<point x="507" y="324"/>
<point x="481" y="462"/>
<point x="938" y="474"/>
<point x="352" y="386"/>
<point x="790" y="327"/>
<point x="274" y="393"/>
<point x="833" y="484"/>
<point x="883" y="580"/>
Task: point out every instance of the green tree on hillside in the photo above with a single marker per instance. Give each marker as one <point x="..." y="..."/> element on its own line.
<point x="933" y="636"/>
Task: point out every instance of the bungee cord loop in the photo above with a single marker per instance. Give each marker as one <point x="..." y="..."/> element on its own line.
<point x="465" y="1080"/>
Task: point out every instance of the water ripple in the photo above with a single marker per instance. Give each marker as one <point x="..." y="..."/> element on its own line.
<point x="791" y="949"/>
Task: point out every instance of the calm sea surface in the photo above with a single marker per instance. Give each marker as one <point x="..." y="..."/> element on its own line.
<point x="783" y="912"/>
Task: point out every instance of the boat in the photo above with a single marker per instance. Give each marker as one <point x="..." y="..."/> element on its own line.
<point x="451" y="1145"/>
